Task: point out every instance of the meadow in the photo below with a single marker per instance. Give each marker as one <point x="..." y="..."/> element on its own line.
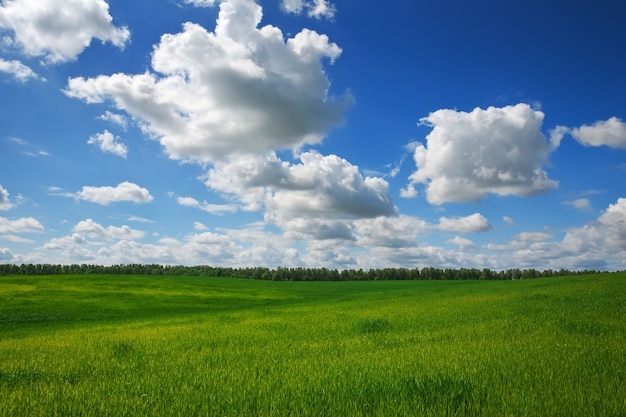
<point x="127" y="345"/>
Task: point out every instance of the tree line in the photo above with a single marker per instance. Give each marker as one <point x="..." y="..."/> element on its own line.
<point x="290" y="274"/>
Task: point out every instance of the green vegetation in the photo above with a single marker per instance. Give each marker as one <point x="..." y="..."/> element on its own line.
<point x="125" y="345"/>
<point x="288" y="274"/>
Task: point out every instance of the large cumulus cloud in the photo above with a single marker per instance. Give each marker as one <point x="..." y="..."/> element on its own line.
<point x="58" y="30"/>
<point x="470" y="154"/>
<point x="315" y="197"/>
<point x="239" y="89"/>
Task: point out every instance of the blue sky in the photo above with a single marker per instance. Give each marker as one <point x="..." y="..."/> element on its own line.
<point x="313" y="133"/>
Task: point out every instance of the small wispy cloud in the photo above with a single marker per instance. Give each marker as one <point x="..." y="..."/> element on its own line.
<point x="201" y="3"/>
<point x="36" y="154"/>
<point x="19" y="141"/>
<point x="313" y="8"/>
<point x="139" y="219"/>
<point x="217" y="209"/>
<point x="117" y="119"/>
<point x="580" y="204"/>
<point x="473" y="223"/>
<point x="19" y="71"/>
<point x="28" y="152"/>
<point x="199" y="226"/>
<point x="461" y="242"/>
<point x="16" y="239"/>
<point x="533" y="236"/>
<point x="108" y="143"/>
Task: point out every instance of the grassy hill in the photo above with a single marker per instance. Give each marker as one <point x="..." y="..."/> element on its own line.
<point x="125" y="345"/>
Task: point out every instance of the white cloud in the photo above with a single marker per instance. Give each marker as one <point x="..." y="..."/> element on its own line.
<point x="376" y="243"/>
<point x="16" y="239"/>
<point x="421" y="256"/>
<point x="613" y="224"/>
<point x="600" y="244"/>
<point x="248" y="177"/>
<point x="328" y="187"/>
<point x="22" y="225"/>
<point x="467" y="155"/>
<point x="314" y="8"/>
<point x="114" y="118"/>
<point x="556" y="136"/>
<point x="324" y="255"/>
<point x="317" y="229"/>
<point x="199" y="226"/>
<point x="508" y="220"/>
<point x="211" y="246"/>
<point x="580" y="203"/>
<point x="18" y="70"/>
<point x="19" y="141"/>
<point x="92" y="229"/>
<point x="260" y="247"/>
<point x="321" y="8"/>
<point x="5" y="203"/>
<point x="209" y="208"/>
<point x="473" y="223"/>
<point x="266" y="253"/>
<point x="409" y="191"/>
<point x="292" y="6"/>
<point x="59" y="30"/>
<point x="534" y="236"/>
<point x="22" y="142"/>
<point x="611" y="133"/>
<point x="321" y="188"/>
<point x="201" y="3"/>
<point x="233" y="97"/>
<point x="114" y="245"/>
<point x="36" y="154"/>
<point x="125" y="191"/>
<point x="461" y="242"/>
<point x="109" y="143"/>
<point x="390" y="231"/>
<point x="73" y="248"/>
<point x="139" y="219"/>
<point x="248" y="246"/>
<point x="6" y="254"/>
<point x="513" y="245"/>
<point x="125" y="251"/>
<point x="240" y="89"/>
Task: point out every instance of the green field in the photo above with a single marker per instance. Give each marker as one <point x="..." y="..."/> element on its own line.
<point x="106" y="345"/>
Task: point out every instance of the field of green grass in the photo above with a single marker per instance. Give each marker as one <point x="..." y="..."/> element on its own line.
<point x="105" y="345"/>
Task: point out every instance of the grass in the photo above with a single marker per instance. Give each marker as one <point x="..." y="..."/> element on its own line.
<point x="186" y="346"/>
